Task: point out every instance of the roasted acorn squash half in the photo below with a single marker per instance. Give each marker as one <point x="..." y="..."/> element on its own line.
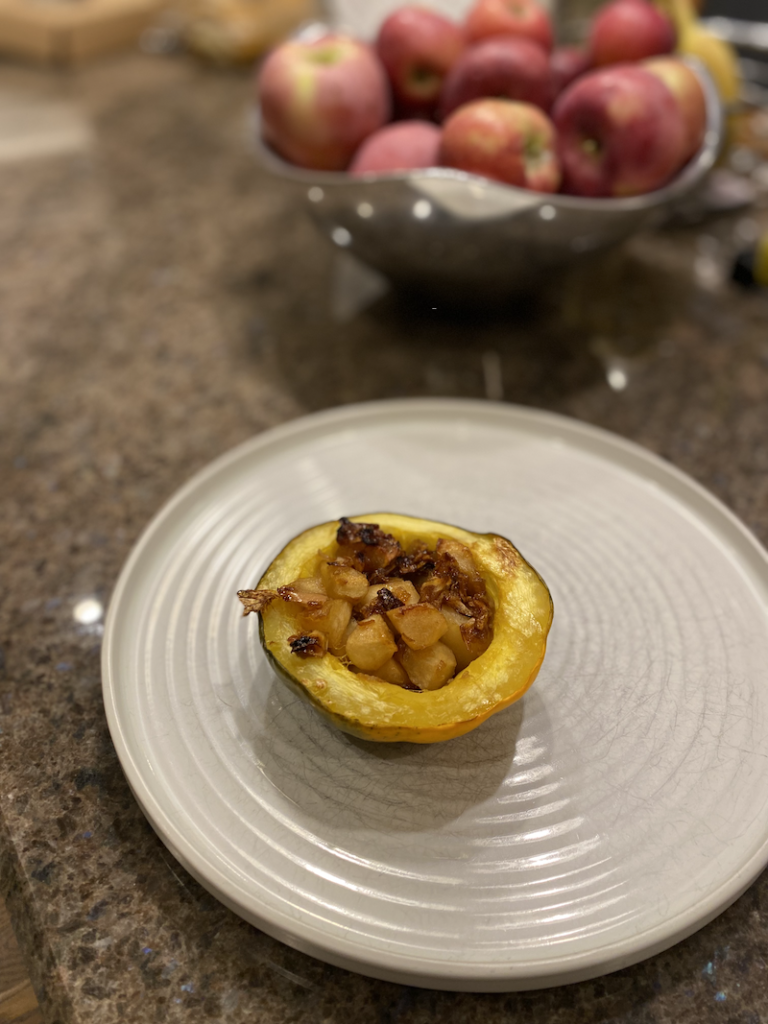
<point x="368" y="707"/>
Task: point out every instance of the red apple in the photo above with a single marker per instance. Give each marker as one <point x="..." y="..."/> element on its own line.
<point x="620" y="132"/>
<point x="503" y="139"/>
<point x="630" y="30"/>
<point x="401" y="146"/>
<point x="566" y="64"/>
<point x="418" y="47"/>
<point x="506" y="67"/>
<point x="320" y="99"/>
<point x="685" y="86"/>
<point x="509" y="18"/>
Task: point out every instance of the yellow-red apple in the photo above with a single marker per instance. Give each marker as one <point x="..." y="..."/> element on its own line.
<point x="506" y="140"/>
<point x="525" y="18"/>
<point x="620" y="132"/>
<point x="402" y="146"/>
<point x="418" y="47"/>
<point x="506" y="67"/>
<point x="321" y="98"/>
<point x="684" y="84"/>
<point x="629" y="30"/>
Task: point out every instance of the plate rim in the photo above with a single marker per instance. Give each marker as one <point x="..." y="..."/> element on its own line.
<point x="428" y="972"/>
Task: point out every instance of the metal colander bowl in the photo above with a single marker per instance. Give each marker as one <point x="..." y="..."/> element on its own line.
<point x="443" y="228"/>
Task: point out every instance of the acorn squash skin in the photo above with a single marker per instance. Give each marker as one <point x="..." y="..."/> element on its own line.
<point x="371" y="709"/>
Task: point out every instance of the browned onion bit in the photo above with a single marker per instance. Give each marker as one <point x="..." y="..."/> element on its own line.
<point x="368" y="546"/>
<point x="388" y="600"/>
<point x="308" y="601"/>
<point x="385" y="602"/>
<point x="417" y="562"/>
<point x="255" y="600"/>
<point x="309" y="645"/>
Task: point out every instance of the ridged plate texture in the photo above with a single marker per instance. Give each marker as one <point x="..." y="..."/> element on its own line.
<point x="621" y="804"/>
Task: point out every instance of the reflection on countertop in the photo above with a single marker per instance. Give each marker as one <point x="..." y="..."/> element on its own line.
<point x="164" y="299"/>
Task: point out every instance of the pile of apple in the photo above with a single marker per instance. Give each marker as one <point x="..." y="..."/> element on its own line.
<point x="618" y="116"/>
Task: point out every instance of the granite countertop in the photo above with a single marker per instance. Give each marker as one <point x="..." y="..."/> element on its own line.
<point x="163" y="300"/>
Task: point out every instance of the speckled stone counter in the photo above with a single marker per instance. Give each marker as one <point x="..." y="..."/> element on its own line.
<point x="163" y="300"/>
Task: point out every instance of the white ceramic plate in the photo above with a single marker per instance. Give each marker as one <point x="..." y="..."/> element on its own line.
<point x="618" y="807"/>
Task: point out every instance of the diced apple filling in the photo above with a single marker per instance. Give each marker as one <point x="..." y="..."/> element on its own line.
<point x="343" y="581"/>
<point x="431" y="667"/>
<point x="371" y="645"/>
<point x="311" y="585"/>
<point x="392" y="672"/>
<point x="410" y="618"/>
<point x="334" y="623"/>
<point x="465" y="648"/>
<point x="420" y="625"/>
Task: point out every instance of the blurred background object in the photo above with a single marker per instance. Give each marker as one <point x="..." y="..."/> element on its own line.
<point x="748" y="10"/>
<point x="236" y="31"/>
<point x="67" y="32"/>
<point x="70" y="31"/>
<point x="363" y="17"/>
<point x="750" y="269"/>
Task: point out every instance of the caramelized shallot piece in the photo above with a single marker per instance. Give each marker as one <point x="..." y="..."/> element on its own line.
<point x="368" y="546"/>
<point x="255" y="600"/>
<point x="310" y="645"/>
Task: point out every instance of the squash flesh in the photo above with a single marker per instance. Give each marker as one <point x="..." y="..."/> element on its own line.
<point x="372" y="709"/>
